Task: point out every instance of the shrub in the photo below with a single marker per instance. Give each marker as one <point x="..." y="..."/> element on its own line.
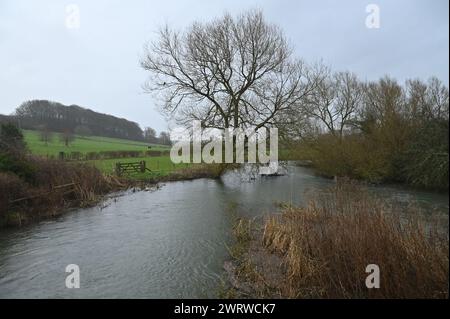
<point x="11" y="187"/>
<point x="16" y="164"/>
<point x="153" y="153"/>
<point x="115" y="154"/>
<point x="54" y="184"/>
<point x="426" y="161"/>
<point x="11" y="138"/>
<point x="92" y="156"/>
<point x="76" y="156"/>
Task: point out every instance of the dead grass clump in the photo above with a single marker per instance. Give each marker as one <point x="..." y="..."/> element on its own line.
<point x="327" y="245"/>
<point x="242" y="237"/>
<point x="11" y="186"/>
<point x="88" y="182"/>
<point x="52" y="186"/>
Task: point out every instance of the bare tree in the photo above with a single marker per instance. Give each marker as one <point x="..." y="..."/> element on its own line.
<point x="335" y="100"/>
<point x="66" y="137"/>
<point x="150" y="135"/>
<point x="438" y="98"/>
<point x="164" y="138"/>
<point x="45" y="134"/>
<point x="426" y="101"/>
<point x="231" y="72"/>
<point x="384" y="99"/>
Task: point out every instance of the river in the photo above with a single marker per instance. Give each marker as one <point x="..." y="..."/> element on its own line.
<point x="166" y="243"/>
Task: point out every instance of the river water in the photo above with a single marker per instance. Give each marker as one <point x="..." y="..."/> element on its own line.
<point x="166" y="243"/>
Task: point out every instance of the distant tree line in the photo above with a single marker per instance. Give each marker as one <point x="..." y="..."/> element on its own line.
<point x="380" y="131"/>
<point x="151" y="136"/>
<point x="241" y="72"/>
<point x="48" y="117"/>
<point x="57" y="117"/>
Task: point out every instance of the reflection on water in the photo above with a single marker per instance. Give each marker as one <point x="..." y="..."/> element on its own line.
<point x="170" y="243"/>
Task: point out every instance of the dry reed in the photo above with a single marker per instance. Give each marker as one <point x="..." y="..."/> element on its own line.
<point x="327" y="245"/>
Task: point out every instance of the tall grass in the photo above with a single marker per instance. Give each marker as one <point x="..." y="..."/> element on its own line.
<point x="49" y="187"/>
<point x="327" y="245"/>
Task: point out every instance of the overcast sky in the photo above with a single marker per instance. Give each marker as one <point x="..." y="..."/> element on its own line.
<point x="97" y="64"/>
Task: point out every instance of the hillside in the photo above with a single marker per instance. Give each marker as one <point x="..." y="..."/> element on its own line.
<point x="84" y="144"/>
<point x="54" y="116"/>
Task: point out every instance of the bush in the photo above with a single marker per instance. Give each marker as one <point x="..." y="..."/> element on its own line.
<point x="426" y="161"/>
<point x="92" y="156"/>
<point x="76" y="156"/>
<point x="11" y="138"/>
<point x="11" y="187"/>
<point x="153" y="153"/>
<point x="18" y="165"/>
<point x="351" y="156"/>
<point x="53" y="185"/>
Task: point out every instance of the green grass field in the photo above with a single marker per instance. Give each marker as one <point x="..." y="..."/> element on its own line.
<point x="84" y="144"/>
<point x="160" y="165"/>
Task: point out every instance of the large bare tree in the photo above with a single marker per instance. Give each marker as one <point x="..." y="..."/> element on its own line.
<point x="335" y="101"/>
<point x="232" y="72"/>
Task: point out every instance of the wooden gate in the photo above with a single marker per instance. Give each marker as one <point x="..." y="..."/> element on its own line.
<point x="133" y="167"/>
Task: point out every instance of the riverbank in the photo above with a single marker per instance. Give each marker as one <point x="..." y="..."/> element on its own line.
<point x="322" y="250"/>
<point x="167" y="243"/>
<point x="34" y="188"/>
<point x="363" y="181"/>
<point x="44" y="188"/>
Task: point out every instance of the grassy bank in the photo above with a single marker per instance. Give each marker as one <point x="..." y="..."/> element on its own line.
<point x="322" y="250"/>
<point x="50" y="187"/>
<point x="34" y="188"/>
<point x="106" y="152"/>
<point x="159" y="165"/>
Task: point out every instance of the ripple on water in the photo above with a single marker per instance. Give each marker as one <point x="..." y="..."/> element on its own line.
<point x="167" y="243"/>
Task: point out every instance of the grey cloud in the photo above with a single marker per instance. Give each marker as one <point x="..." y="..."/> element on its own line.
<point x="97" y="66"/>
